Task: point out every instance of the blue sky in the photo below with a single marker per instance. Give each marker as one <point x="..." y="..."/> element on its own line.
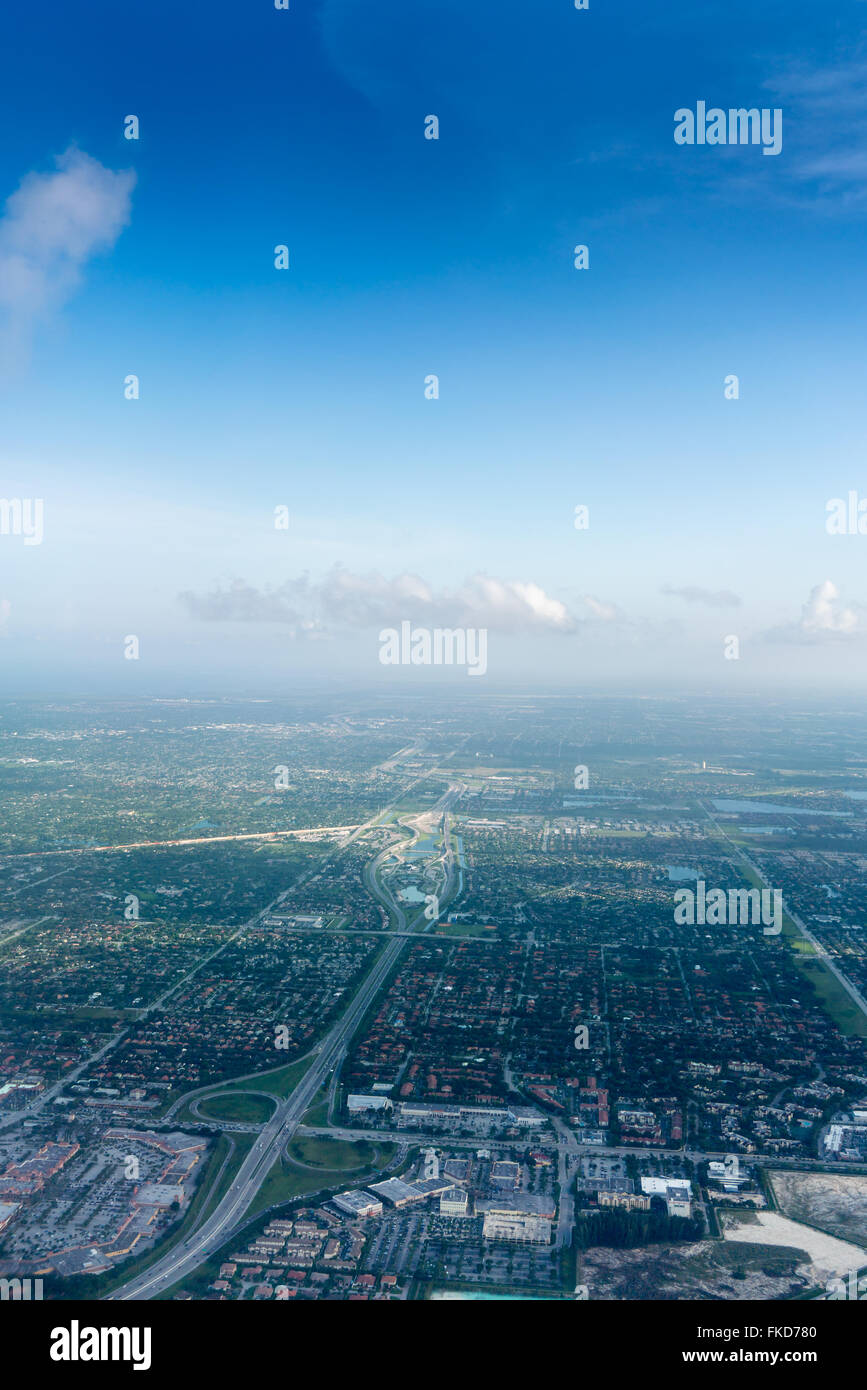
<point x="409" y="257"/>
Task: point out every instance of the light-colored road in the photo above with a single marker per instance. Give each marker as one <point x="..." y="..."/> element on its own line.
<point x="195" y="840"/>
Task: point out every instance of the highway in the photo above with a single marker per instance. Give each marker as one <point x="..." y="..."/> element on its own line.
<point x="183" y="1258"/>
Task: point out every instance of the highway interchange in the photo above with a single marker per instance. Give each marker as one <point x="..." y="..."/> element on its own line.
<point x="273" y="1136"/>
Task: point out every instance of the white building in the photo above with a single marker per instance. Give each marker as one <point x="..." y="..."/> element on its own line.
<point x="356" y="1103"/>
<point x="357" y="1203"/>
<point x="500" y="1225"/>
<point x="454" y="1202"/>
<point x="676" y="1191"/>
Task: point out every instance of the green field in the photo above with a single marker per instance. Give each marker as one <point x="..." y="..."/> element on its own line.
<point x="279" y="1082"/>
<point x="243" y="1144"/>
<point x="833" y="997"/>
<point x="318" y="1113"/>
<point x="246" y="1108"/>
<point x="337" y="1155"/>
<point x="838" y="1005"/>
<point x="329" y="1164"/>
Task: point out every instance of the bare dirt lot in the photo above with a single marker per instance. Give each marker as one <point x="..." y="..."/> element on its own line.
<point x="709" y="1269"/>
<point x="835" y="1202"/>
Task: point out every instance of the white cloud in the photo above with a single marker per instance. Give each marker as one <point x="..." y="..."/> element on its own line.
<point x="343" y="599"/>
<point x="51" y="226"/>
<point x="823" y="618"/>
<point x="824" y="613"/>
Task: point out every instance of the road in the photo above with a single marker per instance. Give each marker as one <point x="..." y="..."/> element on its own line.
<point x="46" y="1097"/>
<point x="380" y="890"/>
<point x="821" y="951"/>
<point x="165" y="844"/>
<point x="568" y="1154"/>
<point x="277" y="1133"/>
<point x="195" y="1248"/>
<point x="439" y="1138"/>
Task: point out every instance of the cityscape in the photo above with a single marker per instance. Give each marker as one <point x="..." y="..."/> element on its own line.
<point x="395" y="1001"/>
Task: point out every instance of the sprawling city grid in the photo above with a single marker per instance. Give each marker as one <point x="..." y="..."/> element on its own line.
<point x="416" y="996"/>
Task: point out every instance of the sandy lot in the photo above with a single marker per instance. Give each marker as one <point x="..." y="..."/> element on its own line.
<point x="828" y="1255"/>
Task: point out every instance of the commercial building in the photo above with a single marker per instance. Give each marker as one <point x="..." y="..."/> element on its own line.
<point x="628" y="1201"/>
<point x="398" y="1192"/>
<point x="512" y="1225"/>
<point x="355" y="1104"/>
<point x="527" y="1118"/>
<point x="156" y="1194"/>
<point x="728" y="1173"/>
<point x="518" y="1204"/>
<point x="677" y="1193"/>
<point x="357" y="1203"/>
<point x="28" y="1177"/>
<point x="411" y="1112"/>
<point x="455" y="1201"/>
<point x="432" y="1187"/>
<point x="677" y="1207"/>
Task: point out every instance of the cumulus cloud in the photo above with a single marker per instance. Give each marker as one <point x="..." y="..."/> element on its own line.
<point x="51" y="226"/>
<point x="346" y="600"/>
<point x="824" y="613"/>
<point x="823" y="618"/>
<point x="712" y="598"/>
